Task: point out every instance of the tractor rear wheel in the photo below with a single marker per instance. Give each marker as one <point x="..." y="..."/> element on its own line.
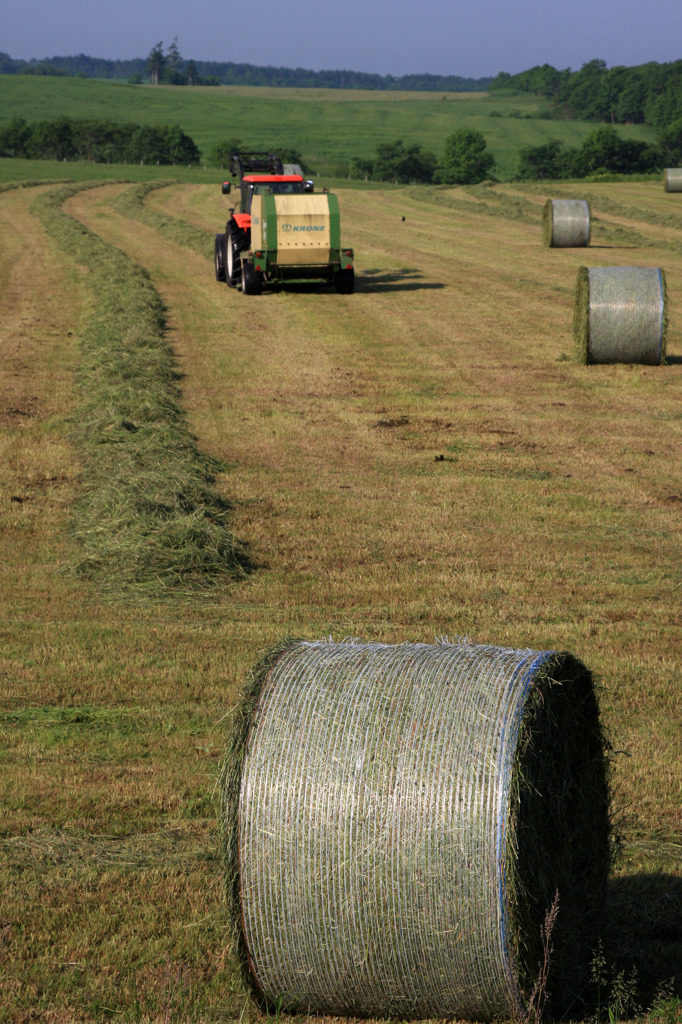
<point x="252" y="279"/>
<point x="233" y="260"/>
<point x="220" y="257"/>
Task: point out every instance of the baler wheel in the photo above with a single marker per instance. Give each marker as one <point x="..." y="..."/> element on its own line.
<point x="252" y="280"/>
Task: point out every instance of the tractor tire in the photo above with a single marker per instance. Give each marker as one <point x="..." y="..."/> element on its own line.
<point x="234" y="243"/>
<point x="344" y="281"/>
<point x="220" y="257"/>
<point x="252" y="279"/>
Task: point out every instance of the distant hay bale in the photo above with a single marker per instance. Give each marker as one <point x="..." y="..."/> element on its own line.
<point x="566" y="223"/>
<point x="672" y="179"/>
<point x="620" y="315"/>
<point x="397" y="819"/>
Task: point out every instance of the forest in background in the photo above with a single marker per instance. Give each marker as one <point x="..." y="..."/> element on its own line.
<point x="646" y="94"/>
<point x="203" y="72"/>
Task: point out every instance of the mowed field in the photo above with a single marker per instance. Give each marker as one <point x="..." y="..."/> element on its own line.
<point x="422" y="458"/>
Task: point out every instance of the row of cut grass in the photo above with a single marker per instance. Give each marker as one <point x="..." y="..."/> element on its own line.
<point x="131" y="202"/>
<point x="148" y="517"/>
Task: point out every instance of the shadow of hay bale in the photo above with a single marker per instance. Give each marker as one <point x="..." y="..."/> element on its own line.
<point x="644" y="930"/>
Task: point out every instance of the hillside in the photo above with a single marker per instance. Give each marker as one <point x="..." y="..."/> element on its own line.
<point x="329" y="127"/>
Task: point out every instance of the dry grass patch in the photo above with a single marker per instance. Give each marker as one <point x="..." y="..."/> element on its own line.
<point x="38" y="342"/>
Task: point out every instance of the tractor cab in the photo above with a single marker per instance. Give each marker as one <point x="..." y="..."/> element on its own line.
<point x="271" y="185"/>
<point x="262" y="174"/>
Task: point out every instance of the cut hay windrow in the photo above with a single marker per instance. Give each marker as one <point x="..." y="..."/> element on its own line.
<point x="149" y="518"/>
<point x="672" y="179"/>
<point x="398" y="819"/>
<point x="131" y="203"/>
<point x="566" y="223"/>
<point x="620" y="315"/>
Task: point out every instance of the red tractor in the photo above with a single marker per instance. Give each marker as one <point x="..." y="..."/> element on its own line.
<point x="280" y="230"/>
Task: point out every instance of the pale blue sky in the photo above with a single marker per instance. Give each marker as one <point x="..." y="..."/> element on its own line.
<point x="401" y="37"/>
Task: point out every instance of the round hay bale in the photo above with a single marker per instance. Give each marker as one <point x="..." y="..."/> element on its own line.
<point x="672" y="179"/>
<point x="620" y="315"/>
<point x="398" y="819"/>
<point x="566" y="223"/>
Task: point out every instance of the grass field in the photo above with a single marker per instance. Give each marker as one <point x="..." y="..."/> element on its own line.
<point x="422" y="458"/>
<point x="329" y="127"/>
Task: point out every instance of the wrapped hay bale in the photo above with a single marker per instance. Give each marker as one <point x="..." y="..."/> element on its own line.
<point x="397" y="820"/>
<point x="566" y="223"/>
<point x="672" y="179"/>
<point x="620" y="315"/>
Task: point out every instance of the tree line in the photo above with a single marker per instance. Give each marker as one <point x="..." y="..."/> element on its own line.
<point x="602" y="152"/>
<point x="646" y="94"/>
<point x="173" y="69"/>
<point x="466" y="159"/>
<point x="64" y="138"/>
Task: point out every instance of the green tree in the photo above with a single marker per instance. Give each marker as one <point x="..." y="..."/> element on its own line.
<point x="14" y="138"/>
<point x="52" y="140"/>
<point x="222" y="151"/>
<point x="172" y="72"/>
<point x="603" y="151"/>
<point x="361" y="168"/>
<point x="146" y="146"/>
<point x="43" y="68"/>
<point x="179" y="147"/>
<point x="670" y="140"/>
<point x="466" y="160"/>
<point x="547" y="162"/>
<point x="156" y="63"/>
<point x="395" y="161"/>
<point x="192" y="73"/>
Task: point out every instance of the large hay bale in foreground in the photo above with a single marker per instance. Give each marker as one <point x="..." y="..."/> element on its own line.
<point x="672" y="179"/>
<point x="566" y="223"/>
<point x="620" y="315"/>
<point x="397" y="821"/>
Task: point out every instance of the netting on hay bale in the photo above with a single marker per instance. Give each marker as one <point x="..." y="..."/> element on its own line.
<point x="397" y="819"/>
<point x="620" y="315"/>
<point x="566" y="223"/>
<point x="672" y="179"/>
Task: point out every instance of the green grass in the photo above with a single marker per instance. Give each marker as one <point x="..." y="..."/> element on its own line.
<point x="329" y="127"/>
